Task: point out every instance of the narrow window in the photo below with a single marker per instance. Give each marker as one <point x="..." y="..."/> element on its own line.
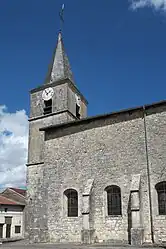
<point x="113" y="200"/>
<point x="78" y="102"/>
<point x="161" y="192"/>
<point x="48" y="107"/>
<point x="78" y="111"/>
<point x="17" y="229"/>
<point x="72" y="202"/>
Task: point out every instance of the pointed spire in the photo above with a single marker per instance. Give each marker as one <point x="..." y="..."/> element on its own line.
<point x="60" y="66"/>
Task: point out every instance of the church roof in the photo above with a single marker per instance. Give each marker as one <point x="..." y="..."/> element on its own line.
<point x="59" y="67"/>
<point x="104" y="116"/>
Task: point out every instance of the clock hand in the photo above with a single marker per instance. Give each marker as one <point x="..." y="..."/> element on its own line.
<point x="49" y="91"/>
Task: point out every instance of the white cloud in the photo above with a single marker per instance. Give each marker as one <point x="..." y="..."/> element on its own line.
<point x="13" y="147"/>
<point x="155" y="4"/>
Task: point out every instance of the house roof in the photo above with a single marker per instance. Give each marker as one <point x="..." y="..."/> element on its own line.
<point x="15" y="195"/>
<point x="19" y="191"/>
<point x="6" y="201"/>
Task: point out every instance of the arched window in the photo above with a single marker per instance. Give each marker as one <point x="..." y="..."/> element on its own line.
<point x="161" y="191"/>
<point x="113" y="200"/>
<point x="72" y="202"/>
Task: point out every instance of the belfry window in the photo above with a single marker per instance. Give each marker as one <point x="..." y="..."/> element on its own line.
<point x="47" y="106"/>
<point x="161" y="192"/>
<point x="78" y="111"/>
<point x="72" y="202"/>
<point x="78" y="108"/>
<point x="113" y="200"/>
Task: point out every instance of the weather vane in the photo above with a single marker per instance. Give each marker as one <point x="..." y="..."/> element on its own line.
<point x="61" y="14"/>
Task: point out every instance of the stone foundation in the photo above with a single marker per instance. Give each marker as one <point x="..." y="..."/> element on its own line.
<point x="136" y="236"/>
<point x="87" y="235"/>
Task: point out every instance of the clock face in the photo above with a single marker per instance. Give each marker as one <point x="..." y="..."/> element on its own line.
<point x="47" y="94"/>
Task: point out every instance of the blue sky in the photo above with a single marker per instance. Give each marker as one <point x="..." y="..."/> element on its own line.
<point x="117" y="50"/>
<point x="118" y="56"/>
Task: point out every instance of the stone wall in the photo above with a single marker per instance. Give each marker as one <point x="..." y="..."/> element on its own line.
<point x="110" y="155"/>
<point x="156" y="137"/>
<point x="37" y="119"/>
<point x="110" y="151"/>
<point x="36" y="137"/>
<point x="63" y="110"/>
<point x="36" y="208"/>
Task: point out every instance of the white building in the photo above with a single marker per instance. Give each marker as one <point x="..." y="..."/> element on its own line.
<point x="12" y="213"/>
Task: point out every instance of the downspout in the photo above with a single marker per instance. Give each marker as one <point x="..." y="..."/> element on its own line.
<point x="148" y="174"/>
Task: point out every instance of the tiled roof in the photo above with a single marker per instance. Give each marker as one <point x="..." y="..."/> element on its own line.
<point x="6" y="201"/>
<point x="19" y="191"/>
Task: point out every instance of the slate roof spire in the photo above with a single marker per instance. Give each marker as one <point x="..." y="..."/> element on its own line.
<point x="59" y="67"/>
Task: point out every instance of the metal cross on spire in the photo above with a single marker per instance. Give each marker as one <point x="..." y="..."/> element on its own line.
<point x="61" y="15"/>
<point x="59" y="67"/>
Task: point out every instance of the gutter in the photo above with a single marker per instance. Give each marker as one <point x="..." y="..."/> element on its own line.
<point x="148" y="175"/>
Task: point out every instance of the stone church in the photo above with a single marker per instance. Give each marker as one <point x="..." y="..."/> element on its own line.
<point x="99" y="179"/>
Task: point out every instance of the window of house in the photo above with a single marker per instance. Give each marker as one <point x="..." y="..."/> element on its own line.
<point x="8" y="220"/>
<point x="48" y="107"/>
<point x="113" y="200"/>
<point x="161" y="192"/>
<point x="6" y="209"/>
<point x="17" y="229"/>
<point x="71" y="202"/>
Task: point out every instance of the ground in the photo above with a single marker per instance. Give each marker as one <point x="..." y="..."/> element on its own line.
<point x="25" y="245"/>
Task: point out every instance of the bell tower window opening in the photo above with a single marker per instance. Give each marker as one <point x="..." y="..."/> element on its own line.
<point x="78" y="111"/>
<point x="47" y="106"/>
<point x="78" y="115"/>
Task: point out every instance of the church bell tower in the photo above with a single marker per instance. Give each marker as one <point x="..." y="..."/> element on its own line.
<point x="57" y="101"/>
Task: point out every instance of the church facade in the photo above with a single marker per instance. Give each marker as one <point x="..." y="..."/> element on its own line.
<point x="93" y="179"/>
